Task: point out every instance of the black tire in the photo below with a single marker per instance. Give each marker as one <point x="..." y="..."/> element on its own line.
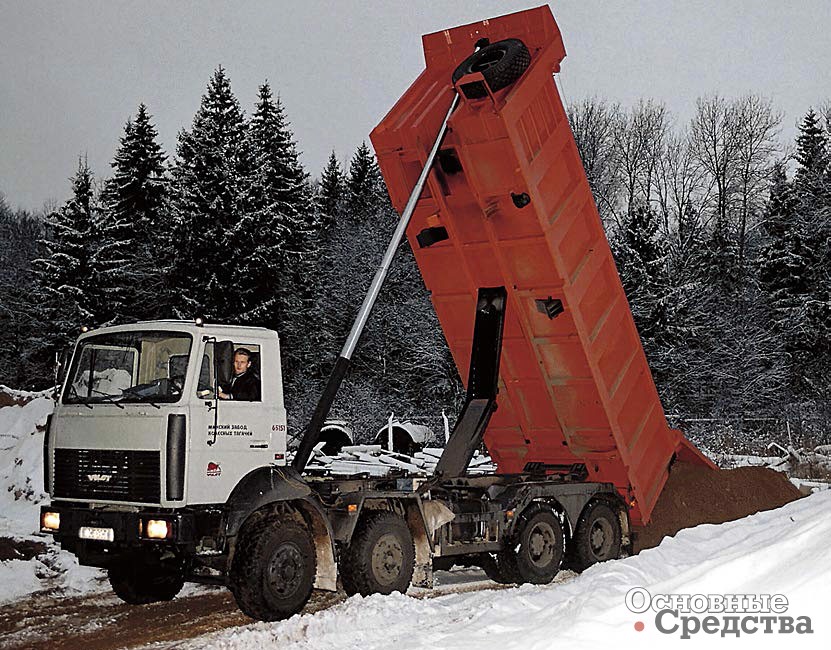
<point x="380" y="558"/>
<point x="273" y="570"/>
<point x="597" y="537"/>
<point x="496" y="571"/>
<point x="535" y="551"/>
<point x="500" y="63"/>
<point x="140" y="581"/>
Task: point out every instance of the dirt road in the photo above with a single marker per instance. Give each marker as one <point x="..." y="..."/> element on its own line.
<point x="102" y="622"/>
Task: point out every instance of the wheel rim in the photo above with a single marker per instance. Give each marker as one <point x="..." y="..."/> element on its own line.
<point x="601" y="537"/>
<point x="285" y="570"/>
<point x="542" y="544"/>
<point x="387" y="559"/>
<point x="488" y="60"/>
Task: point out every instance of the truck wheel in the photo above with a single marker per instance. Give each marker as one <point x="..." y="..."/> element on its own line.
<point x="598" y="536"/>
<point x="496" y="569"/>
<point x="539" y="547"/>
<point x="380" y="558"/>
<point x="139" y="581"/>
<point x="273" y="570"/>
<point x="500" y="63"/>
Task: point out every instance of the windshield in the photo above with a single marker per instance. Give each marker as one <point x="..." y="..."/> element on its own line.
<point x="129" y="367"/>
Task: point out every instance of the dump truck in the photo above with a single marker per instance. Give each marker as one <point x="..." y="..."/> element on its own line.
<point x="155" y="478"/>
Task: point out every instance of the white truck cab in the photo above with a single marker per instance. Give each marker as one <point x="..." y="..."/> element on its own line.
<point x="139" y="420"/>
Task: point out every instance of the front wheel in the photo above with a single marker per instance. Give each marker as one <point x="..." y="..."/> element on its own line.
<point x="273" y="570"/>
<point x="140" y="581"/>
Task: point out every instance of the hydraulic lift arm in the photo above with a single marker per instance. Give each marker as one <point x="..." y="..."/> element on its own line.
<point x="312" y="434"/>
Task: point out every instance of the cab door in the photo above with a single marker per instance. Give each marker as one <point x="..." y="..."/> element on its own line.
<point x="230" y="438"/>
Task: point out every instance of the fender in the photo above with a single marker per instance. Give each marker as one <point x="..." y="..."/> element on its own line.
<point x="267" y="485"/>
<point x="261" y="487"/>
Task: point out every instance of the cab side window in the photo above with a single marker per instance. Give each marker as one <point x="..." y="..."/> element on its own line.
<point x="244" y="383"/>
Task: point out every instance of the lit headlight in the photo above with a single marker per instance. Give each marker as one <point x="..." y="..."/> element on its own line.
<point x="158" y="529"/>
<point x="50" y="520"/>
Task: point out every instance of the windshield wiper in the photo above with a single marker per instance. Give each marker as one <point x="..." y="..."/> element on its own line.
<point x="78" y="397"/>
<point x="110" y="397"/>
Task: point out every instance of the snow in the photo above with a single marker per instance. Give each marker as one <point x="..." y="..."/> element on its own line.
<point x="21" y="493"/>
<point x="783" y="551"/>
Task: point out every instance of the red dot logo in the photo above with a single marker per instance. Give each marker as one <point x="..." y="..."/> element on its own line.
<point x="639" y="626"/>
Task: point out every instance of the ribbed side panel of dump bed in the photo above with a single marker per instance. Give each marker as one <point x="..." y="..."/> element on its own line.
<point x="575" y="388"/>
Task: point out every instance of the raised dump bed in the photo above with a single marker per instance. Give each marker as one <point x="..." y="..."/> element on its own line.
<point x="509" y="205"/>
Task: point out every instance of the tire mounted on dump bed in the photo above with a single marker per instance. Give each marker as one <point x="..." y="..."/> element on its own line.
<point x="500" y="63"/>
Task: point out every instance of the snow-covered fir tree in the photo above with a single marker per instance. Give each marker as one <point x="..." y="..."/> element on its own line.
<point x="77" y="270"/>
<point x="135" y="198"/>
<point x="363" y="185"/>
<point x="330" y="192"/>
<point x="282" y="232"/>
<point x="210" y="197"/>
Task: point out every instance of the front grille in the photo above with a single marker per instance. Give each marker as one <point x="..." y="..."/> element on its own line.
<point x="132" y="475"/>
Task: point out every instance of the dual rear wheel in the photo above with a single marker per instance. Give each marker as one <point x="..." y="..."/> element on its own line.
<point x="536" y="551"/>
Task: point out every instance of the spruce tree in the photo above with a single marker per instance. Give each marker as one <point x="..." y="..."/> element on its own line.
<point x="811" y="151"/>
<point x="70" y="293"/>
<point x="331" y="191"/>
<point x="812" y="193"/>
<point x="641" y="257"/>
<point x="136" y="208"/>
<point x="211" y="196"/>
<point x="364" y="186"/>
<point x="283" y="236"/>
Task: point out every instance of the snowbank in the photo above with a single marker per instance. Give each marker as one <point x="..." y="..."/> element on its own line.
<point x="22" y="426"/>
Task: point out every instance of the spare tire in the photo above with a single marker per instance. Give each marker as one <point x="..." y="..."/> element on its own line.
<point x="500" y="63"/>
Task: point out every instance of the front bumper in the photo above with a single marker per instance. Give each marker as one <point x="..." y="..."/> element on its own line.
<point x="127" y="529"/>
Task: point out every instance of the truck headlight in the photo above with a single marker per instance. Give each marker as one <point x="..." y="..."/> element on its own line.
<point x="50" y="520"/>
<point x="158" y="529"/>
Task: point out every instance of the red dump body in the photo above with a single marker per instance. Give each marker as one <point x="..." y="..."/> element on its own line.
<point x="575" y="388"/>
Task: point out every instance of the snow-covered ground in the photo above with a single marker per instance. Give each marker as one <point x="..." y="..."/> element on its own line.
<point x="786" y="551"/>
<point x="783" y="551"/>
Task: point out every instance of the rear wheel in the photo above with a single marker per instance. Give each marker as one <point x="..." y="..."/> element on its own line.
<point x="598" y="535"/>
<point x="536" y="550"/>
<point x="143" y="580"/>
<point x="273" y="570"/>
<point x="380" y="558"/>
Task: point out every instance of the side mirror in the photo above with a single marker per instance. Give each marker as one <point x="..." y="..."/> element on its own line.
<point x="62" y="360"/>
<point x="224" y="359"/>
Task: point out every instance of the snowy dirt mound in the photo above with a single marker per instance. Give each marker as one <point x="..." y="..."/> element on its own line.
<point x="29" y="562"/>
<point x="696" y="495"/>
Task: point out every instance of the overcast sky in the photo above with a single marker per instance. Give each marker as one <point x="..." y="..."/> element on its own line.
<point x="71" y="73"/>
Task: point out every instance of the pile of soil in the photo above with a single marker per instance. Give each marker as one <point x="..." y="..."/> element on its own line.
<point x="696" y="495"/>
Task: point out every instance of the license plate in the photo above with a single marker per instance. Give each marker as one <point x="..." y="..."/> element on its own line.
<point x="99" y="534"/>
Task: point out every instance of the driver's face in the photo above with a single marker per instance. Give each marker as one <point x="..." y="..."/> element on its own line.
<point x="241" y="364"/>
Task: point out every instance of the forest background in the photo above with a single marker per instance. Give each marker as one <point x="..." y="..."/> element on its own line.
<point x="721" y="233"/>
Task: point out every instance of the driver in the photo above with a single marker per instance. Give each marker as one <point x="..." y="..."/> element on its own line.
<point x="244" y="385"/>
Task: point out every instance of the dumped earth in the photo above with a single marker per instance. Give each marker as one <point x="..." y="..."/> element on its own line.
<point x="696" y="495"/>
